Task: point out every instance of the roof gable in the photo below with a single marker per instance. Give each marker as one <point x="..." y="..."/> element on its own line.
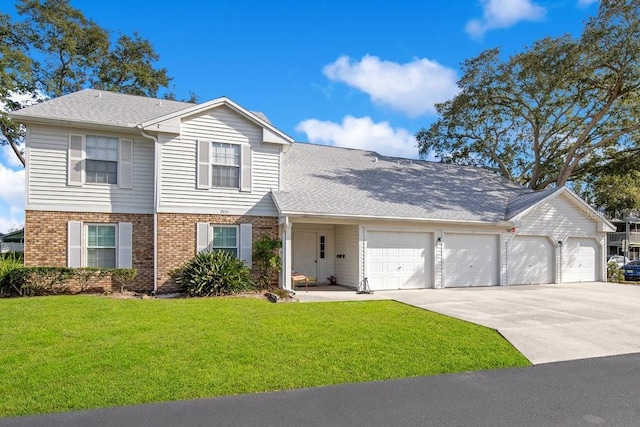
<point x="522" y="205"/>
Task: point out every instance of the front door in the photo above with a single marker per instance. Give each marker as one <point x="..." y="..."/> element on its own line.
<point x="305" y="255"/>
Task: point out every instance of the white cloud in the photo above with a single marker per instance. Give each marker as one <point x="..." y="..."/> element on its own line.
<point x="412" y="88"/>
<point x="585" y="3"/>
<point x="9" y="158"/>
<point x="361" y="133"/>
<point x="503" y="14"/>
<point x="12" y="197"/>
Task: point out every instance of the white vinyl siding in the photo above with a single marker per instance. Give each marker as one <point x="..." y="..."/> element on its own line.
<point x="179" y="189"/>
<point x="347" y="255"/>
<point x="558" y="218"/>
<point x="49" y="189"/>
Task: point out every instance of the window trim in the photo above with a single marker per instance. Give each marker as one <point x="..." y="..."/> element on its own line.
<point x="86" y="248"/>
<point x="233" y="226"/>
<point x="77" y="161"/>
<point x="237" y="166"/>
<point x="86" y="157"/>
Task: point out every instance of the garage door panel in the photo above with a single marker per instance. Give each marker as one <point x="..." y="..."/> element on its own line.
<point x="399" y="260"/>
<point x="530" y="260"/>
<point x="580" y="260"/>
<point x="471" y="260"/>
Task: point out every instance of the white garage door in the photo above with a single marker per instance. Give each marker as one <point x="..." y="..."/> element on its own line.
<point x="580" y="260"/>
<point x="530" y="260"/>
<point x="399" y="260"/>
<point x="470" y="260"/>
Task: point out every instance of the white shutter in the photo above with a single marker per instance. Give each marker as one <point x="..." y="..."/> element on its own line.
<point x="125" y="245"/>
<point x="202" y="236"/>
<point x="75" y="160"/>
<point x="245" y="180"/>
<point x="74" y="244"/>
<point x="245" y="243"/>
<point x="203" y="178"/>
<point x="125" y="163"/>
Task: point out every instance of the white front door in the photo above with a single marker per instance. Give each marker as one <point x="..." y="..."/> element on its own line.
<point x="579" y="260"/>
<point x="470" y="260"/>
<point x="305" y="253"/>
<point x="530" y="260"/>
<point x="399" y="260"/>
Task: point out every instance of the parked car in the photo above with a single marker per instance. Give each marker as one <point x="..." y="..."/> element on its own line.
<point x="618" y="259"/>
<point x="632" y="270"/>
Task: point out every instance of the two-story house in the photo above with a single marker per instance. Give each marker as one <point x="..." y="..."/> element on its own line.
<point x="117" y="180"/>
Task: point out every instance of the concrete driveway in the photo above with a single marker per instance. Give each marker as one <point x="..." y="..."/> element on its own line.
<point x="546" y="323"/>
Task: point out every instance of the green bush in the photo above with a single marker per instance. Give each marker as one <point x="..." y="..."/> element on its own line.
<point x="8" y="263"/>
<point x="33" y="281"/>
<point x="124" y="277"/>
<point x="267" y="258"/>
<point x="614" y="273"/>
<point x="212" y="274"/>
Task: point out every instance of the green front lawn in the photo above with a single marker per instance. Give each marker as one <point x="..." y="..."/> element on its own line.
<point x="74" y="352"/>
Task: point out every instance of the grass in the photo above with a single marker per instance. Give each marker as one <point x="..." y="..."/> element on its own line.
<point x="75" y="352"/>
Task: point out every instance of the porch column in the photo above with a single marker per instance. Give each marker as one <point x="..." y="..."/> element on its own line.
<point x="287" y="260"/>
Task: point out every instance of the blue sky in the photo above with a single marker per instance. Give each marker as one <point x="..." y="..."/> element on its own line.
<point x="354" y="74"/>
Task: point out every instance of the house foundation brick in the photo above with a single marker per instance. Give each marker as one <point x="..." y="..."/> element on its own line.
<point x="177" y="239"/>
<point x="46" y="240"/>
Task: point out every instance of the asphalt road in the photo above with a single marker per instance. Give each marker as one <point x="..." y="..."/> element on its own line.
<point x="590" y="392"/>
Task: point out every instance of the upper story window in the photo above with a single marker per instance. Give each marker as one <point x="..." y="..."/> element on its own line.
<point x="93" y="159"/>
<point x="101" y="159"/>
<point x="223" y="165"/>
<point x="225" y="161"/>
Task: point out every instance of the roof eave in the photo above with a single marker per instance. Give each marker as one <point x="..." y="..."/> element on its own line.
<point x="27" y="120"/>
<point x="295" y="214"/>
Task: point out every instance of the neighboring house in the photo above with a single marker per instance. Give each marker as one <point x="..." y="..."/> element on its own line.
<point x="127" y="181"/>
<point x="12" y="241"/>
<point x="626" y="230"/>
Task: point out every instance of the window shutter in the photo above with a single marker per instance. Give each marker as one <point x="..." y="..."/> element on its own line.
<point x="125" y="245"/>
<point x="202" y="236"/>
<point x="204" y="165"/>
<point x="74" y="244"/>
<point x="75" y="160"/>
<point x="245" y="243"/>
<point x="125" y="163"/>
<point x="245" y="180"/>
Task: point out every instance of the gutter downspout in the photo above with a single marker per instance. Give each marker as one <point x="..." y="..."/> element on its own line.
<point x="155" y="205"/>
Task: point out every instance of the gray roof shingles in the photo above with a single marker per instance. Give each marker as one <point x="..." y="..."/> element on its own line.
<point x="338" y="181"/>
<point x="102" y="107"/>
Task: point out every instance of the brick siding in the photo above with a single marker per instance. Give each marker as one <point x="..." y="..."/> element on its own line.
<point x="177" y="239"/>
<point x="46" y="241"/>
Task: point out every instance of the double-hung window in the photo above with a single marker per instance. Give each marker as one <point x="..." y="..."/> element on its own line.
<point x="101" y="159"/>
<point x="101" y="246"/>
<point x="225" y="161"/>
<point x="225" y="238"/>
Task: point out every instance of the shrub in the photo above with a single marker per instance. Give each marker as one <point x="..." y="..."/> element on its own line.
<point x="8" y="263"/>
<point x="614" y="273"/>
<point x="213" y="274"/>
<point x="267" y="258"/>
<point x="32" y="281"/>
<point x="124" y="277"/>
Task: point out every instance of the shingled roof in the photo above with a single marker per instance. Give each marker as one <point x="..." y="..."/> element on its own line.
<point x="323" y="180"/>
<point x="91" y="106"/>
